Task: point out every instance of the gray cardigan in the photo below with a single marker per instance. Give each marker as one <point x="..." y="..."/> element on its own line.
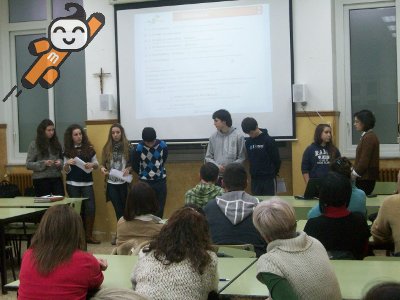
<point x="35" y="162"/>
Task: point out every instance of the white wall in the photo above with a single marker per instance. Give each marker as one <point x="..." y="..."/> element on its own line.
<point x="313" y="56"/>
<point x="101" y="54"/>
<point x="313" y="51"/>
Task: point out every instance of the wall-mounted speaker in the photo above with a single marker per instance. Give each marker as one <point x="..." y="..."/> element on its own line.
<point x="106" y="102"/>
<point x="299" y="93"/>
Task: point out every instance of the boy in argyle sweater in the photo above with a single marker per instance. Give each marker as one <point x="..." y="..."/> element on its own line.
<point x="148" y="161"/>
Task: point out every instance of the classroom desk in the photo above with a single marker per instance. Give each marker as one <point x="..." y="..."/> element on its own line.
<point x="9" y="215"/>
<point x="303" y="206"/>
<point x="118" y="273"/>
<point x="354" y="276"/>
<point x="29" y="202"/>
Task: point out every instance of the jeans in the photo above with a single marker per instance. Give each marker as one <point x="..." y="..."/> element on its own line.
<point x="160" y="187"/>
<point x="88" y="206"/>
<point x="117" y="194"/>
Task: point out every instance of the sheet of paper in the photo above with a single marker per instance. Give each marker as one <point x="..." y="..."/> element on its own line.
<point x="81" y="164"/>
<point x="120" y="175"/>
<point x="280" y="185"/>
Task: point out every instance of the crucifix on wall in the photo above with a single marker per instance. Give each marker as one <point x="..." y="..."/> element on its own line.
<point x="101" y="76"/>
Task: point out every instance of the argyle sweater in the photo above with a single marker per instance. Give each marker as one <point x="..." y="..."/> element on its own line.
<point x="148" y="163"/>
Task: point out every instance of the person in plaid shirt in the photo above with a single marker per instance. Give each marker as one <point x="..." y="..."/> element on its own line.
<point x="206" y="190"/>
<point x="148" y="161"/>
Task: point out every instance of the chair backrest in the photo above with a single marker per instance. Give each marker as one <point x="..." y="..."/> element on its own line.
<point x="234" y="252"/>
<point x="382" y="258"/>
<point x="340" y="255"/>
<point x="248" y="247"/>
<point x="130" y="247"/>
<point x="385" y="188"/>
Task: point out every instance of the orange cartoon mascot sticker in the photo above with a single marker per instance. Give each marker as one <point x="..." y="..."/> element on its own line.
<point x="65" y="35"/>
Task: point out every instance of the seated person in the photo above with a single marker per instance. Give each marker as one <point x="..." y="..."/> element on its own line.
<point x="56" y="265"/>
<point x="296" y="266"/>
<point x="179" y="263"/>
<point x="206" y="190"/>
<point x="138" y="225"/>
<point x="229" y="215"/>
<point x="387" y="290"/>
<point x="386" y="227"/>
<point x="339" y="230"/>
<point x="342" y="165"/>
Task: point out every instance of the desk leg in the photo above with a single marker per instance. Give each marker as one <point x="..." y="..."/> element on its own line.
<point x="3" y="259"/>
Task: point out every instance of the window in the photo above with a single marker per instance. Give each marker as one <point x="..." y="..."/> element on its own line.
<point x="367" y="70"/>
<point x="65" y="103"/>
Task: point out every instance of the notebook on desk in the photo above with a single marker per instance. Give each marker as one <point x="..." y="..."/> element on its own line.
<point x="48" y="198"/>
<point x="312" y="190"/>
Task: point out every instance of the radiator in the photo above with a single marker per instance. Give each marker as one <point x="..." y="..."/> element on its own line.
<point x="22" y="180"/>
<point x="388" y="174"/>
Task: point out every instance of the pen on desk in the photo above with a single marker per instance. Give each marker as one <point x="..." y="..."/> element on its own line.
<point x="224" y="279"/>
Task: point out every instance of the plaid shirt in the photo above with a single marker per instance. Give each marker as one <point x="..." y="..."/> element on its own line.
<point x="202" y="193"/>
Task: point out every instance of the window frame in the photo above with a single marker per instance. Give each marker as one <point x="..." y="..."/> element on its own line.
<point x="343" y="76"/>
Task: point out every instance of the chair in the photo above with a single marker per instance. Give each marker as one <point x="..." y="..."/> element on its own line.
<point x="388" y="247"/>
<point x="223" y="251"/>
<point x="130" y="247"/>
<point x="385" y="188"/>
<point x="247" y="247"/>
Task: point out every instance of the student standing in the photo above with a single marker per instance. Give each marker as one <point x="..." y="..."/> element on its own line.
<point x="366" y="164"/>
<point x="115" y="155"/>
<point x="80" y="182"/>
<point x="318" y="156"/>
<point x="45" y="160"/>
<point x="148" y="160"/>
<point x="226" y="145"/>
<point x="264" y="158"/>
<point x="56" y="265"/>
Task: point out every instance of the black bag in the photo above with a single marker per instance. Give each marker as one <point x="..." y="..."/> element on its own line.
<point x="8" y="190"/>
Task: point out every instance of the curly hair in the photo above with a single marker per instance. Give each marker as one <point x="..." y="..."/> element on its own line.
<point x="185" y="236"/>
<point x="69" y="147"/>
<point x="108" y="147"/>
<point x="332" y="150"/>
<point x="43" y="143"/>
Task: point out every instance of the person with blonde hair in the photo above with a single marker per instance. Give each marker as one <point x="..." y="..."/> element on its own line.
<point x="56" y="265"/>
<point x="294" y="261"/>
<point x="115" y="155"/>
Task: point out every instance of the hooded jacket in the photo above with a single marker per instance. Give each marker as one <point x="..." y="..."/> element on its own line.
<point x="226" y="148"/>
<point x="230" y="220"/>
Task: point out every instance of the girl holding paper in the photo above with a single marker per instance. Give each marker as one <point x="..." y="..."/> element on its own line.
<point x="45" y="160"/>
<point x="79" y="162"/>
<point x="115" y="156"/>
